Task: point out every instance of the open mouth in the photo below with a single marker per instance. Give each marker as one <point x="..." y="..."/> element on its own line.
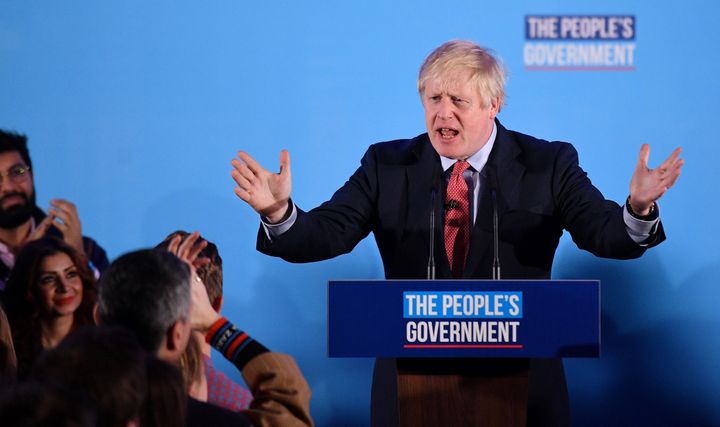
<point x="447" y="133"/>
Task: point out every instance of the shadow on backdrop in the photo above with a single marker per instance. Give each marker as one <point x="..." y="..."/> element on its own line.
<point x="657" y="351"/>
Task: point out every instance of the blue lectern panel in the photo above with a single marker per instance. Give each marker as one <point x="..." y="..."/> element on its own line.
<point x="463" y="318"/>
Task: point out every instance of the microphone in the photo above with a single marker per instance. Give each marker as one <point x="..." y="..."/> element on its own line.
<point x="492" y="184"/>
<point x="431" y="256"/>
<point x="451" y="204"/>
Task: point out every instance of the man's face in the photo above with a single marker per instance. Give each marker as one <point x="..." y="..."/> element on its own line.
<point x="457" y="122"/>
<point x="17" y="196"/>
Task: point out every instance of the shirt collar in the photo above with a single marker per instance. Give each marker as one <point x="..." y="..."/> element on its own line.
<point x="477" y="160"/>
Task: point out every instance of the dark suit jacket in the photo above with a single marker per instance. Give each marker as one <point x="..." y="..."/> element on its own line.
<point x="541" y="191"/>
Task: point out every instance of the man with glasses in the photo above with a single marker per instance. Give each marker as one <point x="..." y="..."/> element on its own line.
<point x="21" y="220"/>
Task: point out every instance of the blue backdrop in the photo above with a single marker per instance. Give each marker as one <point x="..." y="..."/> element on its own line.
<point x="134" y="110"/>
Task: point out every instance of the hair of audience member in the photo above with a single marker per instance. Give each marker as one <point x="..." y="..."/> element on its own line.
<point x="146" y="291"/>
<point x="211" y="274"/>
<point x="191" y="365"/>
<point x="8" y="360"/>
<point x="22" y="295"/>
<point x="11" y="141"/>
<point x="166" y="401"/>
<point x="462" y="56"/>
<point x="34" y="404"/>
<point x="107" y="363"/>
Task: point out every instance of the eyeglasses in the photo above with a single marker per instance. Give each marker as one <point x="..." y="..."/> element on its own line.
<point x="16" y="174"/>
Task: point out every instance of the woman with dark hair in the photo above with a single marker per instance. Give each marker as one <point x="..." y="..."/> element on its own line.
<point x="50" y="292"/>
<point x="166" y="400"/>
<point x="8" y="361"/>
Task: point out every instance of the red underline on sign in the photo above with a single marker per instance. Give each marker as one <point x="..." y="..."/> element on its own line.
<point x="463" y="346"/>
<point x="599" y="68"/>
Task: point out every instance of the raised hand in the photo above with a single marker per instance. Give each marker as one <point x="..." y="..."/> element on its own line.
<point x="266" y="192"/>
<point x="189" y="249"/>
<point x="65" y="218"/>
<point x="202" y="315"/>
<point x="40" y="229"/>
<point x="648" y="185"/>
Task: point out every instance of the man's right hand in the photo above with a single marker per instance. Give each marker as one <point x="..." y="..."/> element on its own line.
<point x="266" y="192"/>
<point x="40" y="230"/>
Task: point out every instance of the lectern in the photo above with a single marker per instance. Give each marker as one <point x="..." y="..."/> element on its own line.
<point x="462" y="348"/>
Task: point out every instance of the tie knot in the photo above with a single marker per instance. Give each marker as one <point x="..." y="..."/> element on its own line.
<point x="459" y="167"/>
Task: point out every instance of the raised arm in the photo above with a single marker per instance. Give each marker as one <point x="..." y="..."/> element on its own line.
<point x="648" y="185"/>
<point x="266" y="192"/>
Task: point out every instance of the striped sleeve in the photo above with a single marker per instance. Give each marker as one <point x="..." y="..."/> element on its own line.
<point x="237" y="346"/>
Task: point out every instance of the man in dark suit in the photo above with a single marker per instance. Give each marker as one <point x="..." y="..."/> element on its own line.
<point x="537" y="187"/>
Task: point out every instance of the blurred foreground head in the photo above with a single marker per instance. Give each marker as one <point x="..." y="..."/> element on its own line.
<point x="148" y="292"/>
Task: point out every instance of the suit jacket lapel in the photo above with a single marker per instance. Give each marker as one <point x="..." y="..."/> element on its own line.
<point x="509" y="172"/>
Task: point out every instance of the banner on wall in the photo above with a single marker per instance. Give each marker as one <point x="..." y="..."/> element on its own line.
<point x="579" y="42"/>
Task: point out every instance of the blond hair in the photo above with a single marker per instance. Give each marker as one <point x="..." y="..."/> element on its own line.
<point x="462" y="56"/>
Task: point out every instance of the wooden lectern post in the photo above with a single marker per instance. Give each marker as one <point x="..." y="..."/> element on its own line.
<point x="462" y="392"/>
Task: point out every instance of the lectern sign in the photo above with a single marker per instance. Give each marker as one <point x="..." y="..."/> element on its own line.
<point x="462" y="319"/>
<point x="469" y="318"/>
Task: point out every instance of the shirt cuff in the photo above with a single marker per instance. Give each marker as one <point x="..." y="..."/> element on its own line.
<point x="273" y="231"/>
<point x="638" y="229"/>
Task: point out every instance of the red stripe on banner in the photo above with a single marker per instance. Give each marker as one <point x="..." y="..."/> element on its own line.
<point x="598" y="68"/>
<point x="463" y="346"/>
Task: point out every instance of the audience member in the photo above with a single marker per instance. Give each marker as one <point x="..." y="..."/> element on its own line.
<point x="166" y="402"/>
<point x="193" y="371"/>
<point x="34" y="404"/>
<point x="219" y="388"/>
<point x="107" y="365"/>
<point x="149" y="291"/>
<point x="8" y="360"/>
<point x="21" y="220"/>
<point x="51" y="291"/>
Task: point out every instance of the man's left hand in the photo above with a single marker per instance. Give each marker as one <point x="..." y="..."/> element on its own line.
<point x="648" y="185"/>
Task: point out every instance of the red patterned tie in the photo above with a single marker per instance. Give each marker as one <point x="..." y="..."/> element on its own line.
<point x="457" y="219"/>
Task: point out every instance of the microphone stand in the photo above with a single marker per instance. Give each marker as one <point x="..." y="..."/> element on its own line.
<point x="496" y="246"/>
<point x="431" y="258"/>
